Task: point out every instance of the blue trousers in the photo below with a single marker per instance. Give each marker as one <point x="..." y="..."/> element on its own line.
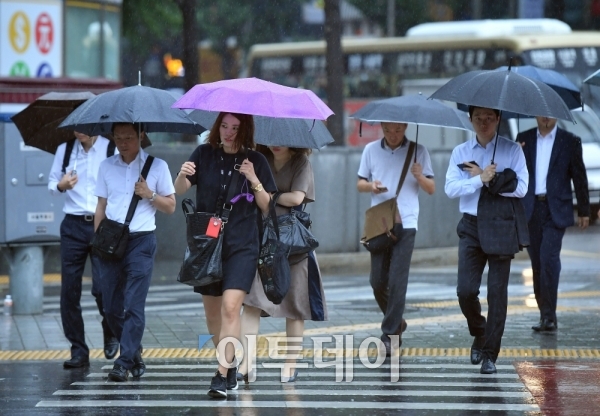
<point x="125" y="285"/>
<point x="471" y="263"/>
<point x="75" y="237"/>
<point x="545" y="242"/>
<point x="389" y="279"/>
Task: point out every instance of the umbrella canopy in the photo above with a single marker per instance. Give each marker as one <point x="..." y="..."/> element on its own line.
<point x="555" y="80"/>
<point x="593" y="79"/>
<point x="254" y="96"/>
<point x="137" y="104"/>
<point x="505" y="91"/>
<point x="39" y="121"/>
<point x="414" y="109"/>
<point x="269" y="131"/>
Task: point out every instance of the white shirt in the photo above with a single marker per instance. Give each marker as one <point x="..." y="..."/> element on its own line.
<point x="116" y="183"/>
<point x="379" y="162"/>
<point x="81" y="200"/>
<point x="542" y="159"/>
<point x="459" y="183"/>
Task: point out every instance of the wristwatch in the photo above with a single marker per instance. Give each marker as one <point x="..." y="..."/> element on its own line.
<point x="258" y="187"/>
<point x="153" y="197"/>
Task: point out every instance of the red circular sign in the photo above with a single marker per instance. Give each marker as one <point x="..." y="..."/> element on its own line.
<point x="44" y="33"/>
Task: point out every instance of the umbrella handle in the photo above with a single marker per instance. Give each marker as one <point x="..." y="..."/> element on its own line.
<point x="416" y="143"/>
<point x="497" y="132"/>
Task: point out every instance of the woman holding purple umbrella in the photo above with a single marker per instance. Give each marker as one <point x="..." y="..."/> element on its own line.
<point x="210" y="168"/>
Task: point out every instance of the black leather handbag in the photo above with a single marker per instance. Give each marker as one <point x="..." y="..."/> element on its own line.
<point x="273" y="265"/>
<point x="202" y="259"/>
<point x="111" y="238"/>
<point x="202" y="263"/>
<point x="294" y="231"/>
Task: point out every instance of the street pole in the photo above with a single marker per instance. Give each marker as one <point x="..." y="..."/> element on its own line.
<point x="391" y="18"/>
<point x="335" y="70"/>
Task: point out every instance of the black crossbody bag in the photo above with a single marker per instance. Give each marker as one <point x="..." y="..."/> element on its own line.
<point x="111" y="238"/>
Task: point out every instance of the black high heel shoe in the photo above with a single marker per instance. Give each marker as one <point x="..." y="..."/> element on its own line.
<point x="242" y="377"/>
<point x="290" y="379"/>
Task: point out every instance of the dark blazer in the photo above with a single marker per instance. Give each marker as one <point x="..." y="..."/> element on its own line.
<point x="566" y="164"/>
<point x="501" y="220"/>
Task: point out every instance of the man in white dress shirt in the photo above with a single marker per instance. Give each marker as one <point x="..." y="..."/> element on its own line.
<point x="74" y="173"/>
<point x="471" y="177"/>
<point x="125" y="282"/>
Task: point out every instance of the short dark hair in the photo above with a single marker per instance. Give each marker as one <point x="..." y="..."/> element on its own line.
<point x="295" y="150"/>
<point x="473" y="107"/>
<point x="138" y="127"/>
<point x="244" y="136"/>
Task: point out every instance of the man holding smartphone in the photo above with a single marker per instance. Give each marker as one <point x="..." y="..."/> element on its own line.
<point x="489" y="231"/>
<point x="74" y="173"/>
<point x="380" y="169"/>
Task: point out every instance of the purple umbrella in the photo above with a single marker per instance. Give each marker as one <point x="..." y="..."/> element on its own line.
<point x="254" y="96"/>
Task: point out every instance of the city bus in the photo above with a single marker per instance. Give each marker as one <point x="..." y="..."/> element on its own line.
<point x="383" y="67"/>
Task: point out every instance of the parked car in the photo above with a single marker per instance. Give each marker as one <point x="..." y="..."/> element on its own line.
<point x="587" y="127"/>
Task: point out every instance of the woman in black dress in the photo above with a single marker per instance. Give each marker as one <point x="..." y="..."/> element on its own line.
<point x="210" y="168"/>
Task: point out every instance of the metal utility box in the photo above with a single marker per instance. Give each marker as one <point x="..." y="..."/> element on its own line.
<point x="29" y="214"/>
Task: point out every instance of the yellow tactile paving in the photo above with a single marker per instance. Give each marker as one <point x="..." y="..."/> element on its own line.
<point x="48" y="278"/>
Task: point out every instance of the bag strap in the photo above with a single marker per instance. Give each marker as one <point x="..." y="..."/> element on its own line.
<point x="185" y="206"/>
<point x="67" y="158"/>
<point x="136" y="198"/>
<point x="227" y="206"/>
<point x="411" y="148"/>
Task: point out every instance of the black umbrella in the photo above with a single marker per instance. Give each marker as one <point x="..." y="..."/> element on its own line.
<point x="38" y="122"/>
<point x="138" y="104"/>
<point x="414" y="109"/>
<point x="270" y="131"/>
<point x="505" y="91"/>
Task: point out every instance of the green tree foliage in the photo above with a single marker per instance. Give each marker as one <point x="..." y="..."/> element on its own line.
<point x="408" y="13"/>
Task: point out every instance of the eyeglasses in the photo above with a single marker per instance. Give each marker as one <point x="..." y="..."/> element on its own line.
<point x="484" y="119"/>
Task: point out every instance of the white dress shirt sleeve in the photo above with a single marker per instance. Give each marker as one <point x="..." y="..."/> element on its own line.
<point x="101" y="189"/>
<point x="56" y="170"/>
<point x="519" y="165"/>
<point x="457" y="183"/>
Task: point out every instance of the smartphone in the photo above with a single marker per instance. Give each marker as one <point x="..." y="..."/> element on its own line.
<point x="382" y="188"/>
<point x="214" y="227"/>
<point x="462" y="166"/>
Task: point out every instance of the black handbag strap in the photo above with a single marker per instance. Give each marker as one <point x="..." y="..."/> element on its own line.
<point x="411" y="149"/>
<point x="136" y="198"/>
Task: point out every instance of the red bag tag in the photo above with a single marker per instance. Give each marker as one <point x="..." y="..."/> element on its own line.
<point x="214" y="227"/>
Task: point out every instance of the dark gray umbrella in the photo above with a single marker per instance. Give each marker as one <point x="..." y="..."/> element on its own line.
<point x="271" y="131"/>
<point x="137" y="104"/>
<point x="505" y="91"/>
<point x="414" y="109"/>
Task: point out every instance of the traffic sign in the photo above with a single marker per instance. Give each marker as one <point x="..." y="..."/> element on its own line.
<point x="44" y="33"/>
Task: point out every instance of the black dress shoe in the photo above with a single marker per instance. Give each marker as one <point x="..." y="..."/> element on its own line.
<point x="118" y="373"/>
<point x="139" y="368"/>
<point x="111" y="346"/>
<point x="77" y="362"/>
<point x="290" y="379"/>
<point x="476" y="350"/>
<point x="488" y="367"/>
<point x="545" y="325"/>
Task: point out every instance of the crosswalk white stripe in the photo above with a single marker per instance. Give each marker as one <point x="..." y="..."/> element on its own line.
<point x="321" y="374"/>
<point x="292" y="404"/>
<point x="143" y="382"/>
<point x="357" y="366"/>
<point x="308" y="392"/>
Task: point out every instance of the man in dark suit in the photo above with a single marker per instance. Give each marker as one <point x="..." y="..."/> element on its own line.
<point x="554" y="159"/>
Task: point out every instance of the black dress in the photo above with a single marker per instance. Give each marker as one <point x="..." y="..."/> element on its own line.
<point x="240" y="239"/>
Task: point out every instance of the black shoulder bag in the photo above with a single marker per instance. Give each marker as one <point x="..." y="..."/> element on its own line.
<point x="273" y="265"/>
<point x="202" y="264"/>
<point x="294" y="231"/>
<point x="111" y="237"/>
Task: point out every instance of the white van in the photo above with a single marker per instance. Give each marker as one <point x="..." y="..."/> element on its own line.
<point x="588" y="128"/>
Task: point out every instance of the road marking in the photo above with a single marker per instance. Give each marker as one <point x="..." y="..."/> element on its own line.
<point x="293" y="405"/>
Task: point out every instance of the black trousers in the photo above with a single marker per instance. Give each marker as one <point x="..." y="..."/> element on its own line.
<point x="471" y="263"/>
<point x="75" y="236"/>
<point x="389" y="279"/>
<point x="544" y="251"/>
